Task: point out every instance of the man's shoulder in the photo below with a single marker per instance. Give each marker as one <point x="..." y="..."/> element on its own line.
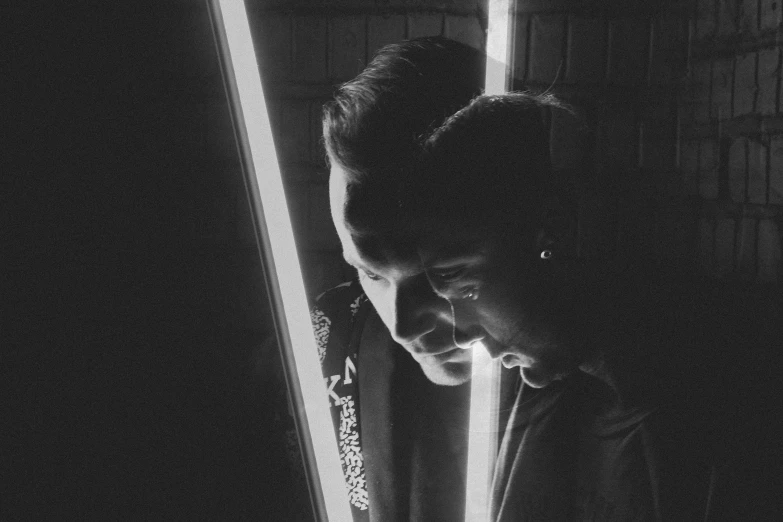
<point x="345" y="297"/>
<point x="335" y="316"/>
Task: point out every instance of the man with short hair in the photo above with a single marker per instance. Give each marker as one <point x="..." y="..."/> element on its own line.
<point x="645" y="396"/>
<point x="403" y="438"/>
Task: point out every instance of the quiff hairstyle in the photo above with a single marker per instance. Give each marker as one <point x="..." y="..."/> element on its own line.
<point x="376" y="121"/>
<point x="489" y="163"/>
<point x="419" y="143"/>
<point x="374" y="127"/>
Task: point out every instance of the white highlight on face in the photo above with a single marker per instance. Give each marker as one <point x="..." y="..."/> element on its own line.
<point x="273" y="218"/>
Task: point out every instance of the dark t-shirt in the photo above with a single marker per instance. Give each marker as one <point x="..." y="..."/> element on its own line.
<point x="695" y="436"/>
<point x="563" y="459"/>
<point x="682" y="424"/>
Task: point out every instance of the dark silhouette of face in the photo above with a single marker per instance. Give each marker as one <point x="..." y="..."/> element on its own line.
<point x="463" y="283"/>
<point x="397" y="285"/>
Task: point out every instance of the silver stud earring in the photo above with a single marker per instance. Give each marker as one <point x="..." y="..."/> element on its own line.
<point x="546" y="254"/>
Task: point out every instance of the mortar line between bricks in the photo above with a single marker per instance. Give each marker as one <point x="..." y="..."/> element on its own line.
<point x="732" y="94"/>
<point x="310" y="10"/>
<point x="746" y="192"/>
<point x="758" y="15"/>
<point x="710" y="90"/>
<point x="366" y="39"/>
<point x="291" y="44"/>
<point x="733" y="45"/>
<point x="607" y="51"/>
<point x="768" y="171"/>
<point x="714" y="246"/>
<point x="756" y="237"/>
<point x="528" y="43"/>
<point x="778" y="107"/>
<point x="650" y="47"/>
<point x="739" y="241"/>
<point x="715" y="208"/>
<point x="327" y="48"/>
<point x="566" y="52"/>
<point x="756" y="85"/>
<point x="648" y="55"/>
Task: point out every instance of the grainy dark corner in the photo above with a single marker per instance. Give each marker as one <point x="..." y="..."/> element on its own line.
<point x="140" y="379"/>
<point x="139" y="373"/>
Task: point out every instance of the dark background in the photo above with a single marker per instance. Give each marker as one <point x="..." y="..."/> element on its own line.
<point x="139" y="374"/>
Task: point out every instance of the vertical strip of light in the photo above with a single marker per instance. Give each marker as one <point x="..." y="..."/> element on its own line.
<point x="497" y="47"/>
<point x="486" y="373"/>
<point x="305" y="380"/>
<point x="483" y="396"/>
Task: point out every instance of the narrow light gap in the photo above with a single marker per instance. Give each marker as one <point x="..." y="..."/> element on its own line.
<point x="484" y="391"/>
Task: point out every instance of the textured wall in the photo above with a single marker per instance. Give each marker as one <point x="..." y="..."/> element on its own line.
<point x="672" y="99"/>
<point x="731" y="137"/>
<point x="620" y="65"/>
<point x="678" y="159"/>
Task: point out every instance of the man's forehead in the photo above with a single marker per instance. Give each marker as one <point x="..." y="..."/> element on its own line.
<point x="423" y="239"/>
<point x="378" y="256"/>
<point x="426" y="250"/>
<point x="450" y="242"/>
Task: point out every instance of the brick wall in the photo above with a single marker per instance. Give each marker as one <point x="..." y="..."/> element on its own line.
<point x="731" y="137"/>
<point x="672" y="99"/>
<point x="306" y="49"/>
<point x="619" y="65"/>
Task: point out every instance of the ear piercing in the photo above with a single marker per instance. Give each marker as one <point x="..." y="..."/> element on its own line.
<point x="546" y="254"/>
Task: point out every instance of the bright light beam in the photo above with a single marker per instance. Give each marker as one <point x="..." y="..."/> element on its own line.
<point x="306" y="385"/>
<point x="486" y="373"/>
<point x="497" y="47"/>
<point x="481" y="447"/>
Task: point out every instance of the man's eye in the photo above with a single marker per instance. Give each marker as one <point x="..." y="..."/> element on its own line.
<point x="470" y="293"/>
<point x="449" y="276"/>
<point x="369" y="275"/>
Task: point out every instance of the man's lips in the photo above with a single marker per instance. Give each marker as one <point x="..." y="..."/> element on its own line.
<point x="451" y="354"/>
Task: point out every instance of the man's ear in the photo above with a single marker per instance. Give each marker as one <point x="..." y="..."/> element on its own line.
<point x="558" y="228"/>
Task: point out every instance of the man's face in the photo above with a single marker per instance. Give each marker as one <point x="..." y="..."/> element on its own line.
<point x="504" y="293"/>
<point x="398" y="287"/>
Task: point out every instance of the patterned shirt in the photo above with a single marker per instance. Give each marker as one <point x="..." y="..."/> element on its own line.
<point x="402" y="439"/>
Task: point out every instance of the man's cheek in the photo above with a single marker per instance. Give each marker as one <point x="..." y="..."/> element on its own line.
<point x="376" y="299"/>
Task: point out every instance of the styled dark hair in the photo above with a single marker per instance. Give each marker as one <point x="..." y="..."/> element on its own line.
<point x="489" y="162"/>
<point x="374" y="124"/>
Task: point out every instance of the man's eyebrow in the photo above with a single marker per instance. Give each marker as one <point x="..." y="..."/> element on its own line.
<point x="354" y="262"/>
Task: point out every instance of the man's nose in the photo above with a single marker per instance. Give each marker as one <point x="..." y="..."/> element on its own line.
<point x="414" y="312"/>
<point x="467" y="331"/>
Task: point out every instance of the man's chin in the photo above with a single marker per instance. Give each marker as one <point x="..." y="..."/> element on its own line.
<point x="448" y="374"/>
